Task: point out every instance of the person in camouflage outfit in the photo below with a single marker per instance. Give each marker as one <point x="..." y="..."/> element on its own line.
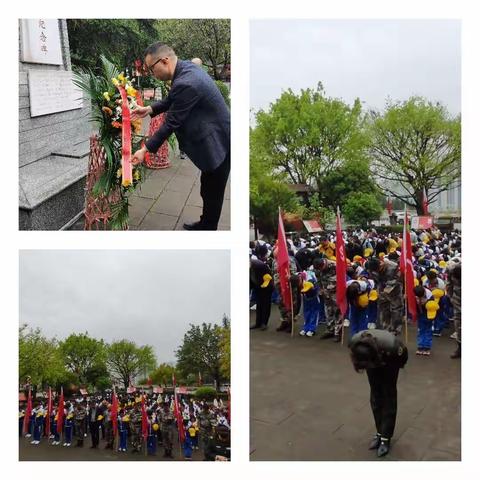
<point x="388" y="278"/>
<point x="206" y="422"/>
<point x="454" y="291"/>
<point x="136" y="428"/>
<point x="166" y="425"/>
<point x="325" y="271"/>
<point x="80" y="414"/>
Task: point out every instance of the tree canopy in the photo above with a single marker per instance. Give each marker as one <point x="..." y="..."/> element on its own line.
<point x="201" y="351"/>
<point x="308" y="135"/>
<point x="417" y="145"/>
<point x="123" y="41"/>
<point x="84" y="356"/>
<point x="126" y="360"/>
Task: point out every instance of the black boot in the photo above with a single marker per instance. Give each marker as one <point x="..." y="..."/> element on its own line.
<point x="384" y="447"/>
<point x="375" y="443"/>
<point x="283" y="326"/>
<point x="458" y="352"/>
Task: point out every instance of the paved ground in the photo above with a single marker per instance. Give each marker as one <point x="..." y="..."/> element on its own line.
<point x="307" y="402"/>
<point x="170" y="197"/>
<point x="50" y="452"/>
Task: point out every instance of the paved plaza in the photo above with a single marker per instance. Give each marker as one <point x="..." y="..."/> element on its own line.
<point x="308" y="403"/>
<point x="170" y="197"/>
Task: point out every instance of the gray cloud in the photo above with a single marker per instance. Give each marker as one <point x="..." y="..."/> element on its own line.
<point x="148" y="296"/>
<point x="369" y="59"/>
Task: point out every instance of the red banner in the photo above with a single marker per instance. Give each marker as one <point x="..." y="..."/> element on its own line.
<point x="28" y="412"/>
<point x="144" y="419"/>
<point x="114" y="413"/>
<point x="283" y="264"/>
<point x="60" y="412"/>
<point x="406" y="267"/>
<point x="178" y="414"/>
<point x="126" y="139"/>
<point x="341" y="268"/>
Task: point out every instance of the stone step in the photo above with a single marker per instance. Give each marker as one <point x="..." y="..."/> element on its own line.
<point x="52" y="190"/>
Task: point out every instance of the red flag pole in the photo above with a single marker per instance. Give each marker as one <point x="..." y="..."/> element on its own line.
<point x="341" y="272"/>
<point x="404" y="254"/>
<point x="283" y="267"/>
<point x="26" y="420"/>
<point x="60" y="413"/>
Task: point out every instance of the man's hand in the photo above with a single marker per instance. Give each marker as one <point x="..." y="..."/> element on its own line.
<point x="140" y="112"/>
<point x="139" y="156"/>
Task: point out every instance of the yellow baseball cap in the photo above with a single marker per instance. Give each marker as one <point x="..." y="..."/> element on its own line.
<point x="363" y="300"/>
<point x="266" y="280"/>
<point x="432" y="307"/>
<point x="307" y="286"/>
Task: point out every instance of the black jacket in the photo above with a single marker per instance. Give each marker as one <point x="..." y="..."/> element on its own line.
<point x="199" y="116"/>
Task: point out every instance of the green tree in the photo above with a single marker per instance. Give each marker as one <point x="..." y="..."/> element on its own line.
<point x="84" y="356"/>
<point x="268" y="189"/>
<point x="415" y="145"/>
<point x="350" y="177"/>
<point x="126" y="360"/>
<point x="361" y="208"/>
<point x="208" y="39"/>
<point x="39" y="358"/>
<point x="122" y="41"/>
<point x="162" y="375"/>
<point x="225" y="348"/>
<point x="201" y="352"/>
<point x="308" y="135"/>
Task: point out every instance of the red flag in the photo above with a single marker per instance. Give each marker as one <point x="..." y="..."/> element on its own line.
<point x="61" y="412"/>
<point x="144" y="419"/>
<point x="114" y="413"/>
<point x="406" y="267"/>
<point x="425" y="202"/>
<point x="177" y="414"/>
<point x="341" y="268"/>
<point x="283" y="264"/>
<point x="389" y="206"/>
<point x="49" y="412"/>
<point x="28" y="413"/>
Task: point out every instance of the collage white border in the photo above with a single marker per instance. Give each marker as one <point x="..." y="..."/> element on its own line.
<point x="236" y="240"/>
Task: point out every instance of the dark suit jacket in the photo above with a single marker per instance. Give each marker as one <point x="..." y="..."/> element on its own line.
<point x="199" y="116"/>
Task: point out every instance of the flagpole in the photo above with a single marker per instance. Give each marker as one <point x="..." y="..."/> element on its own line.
<point x="291" y="305"/>
<point x="405" y="293"/>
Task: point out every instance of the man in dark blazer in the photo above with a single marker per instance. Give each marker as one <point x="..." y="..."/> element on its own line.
<point x="198" y="115"/>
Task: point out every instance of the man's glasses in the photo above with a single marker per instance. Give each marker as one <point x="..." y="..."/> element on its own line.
<point x="150" y="68"/>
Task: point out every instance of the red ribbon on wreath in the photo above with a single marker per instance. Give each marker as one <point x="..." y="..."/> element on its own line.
<point x="127" y="177"/>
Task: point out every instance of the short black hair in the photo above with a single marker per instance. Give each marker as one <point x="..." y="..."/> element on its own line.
<point x="159" y="48"/>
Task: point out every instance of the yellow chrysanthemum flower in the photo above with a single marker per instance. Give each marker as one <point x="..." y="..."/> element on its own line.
<point x="106" y="96"/>
<point x="131" y="91"/>
<point x="136" y="175"/>
<point x="119" y="173"/>
<point x="122" y="79"/>
<point x="115" y="82"/>
<point x="126" y="183"/>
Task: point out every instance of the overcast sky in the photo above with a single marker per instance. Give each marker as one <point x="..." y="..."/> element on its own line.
<point x="148" y="296"/>
<point x="369" y="59"/>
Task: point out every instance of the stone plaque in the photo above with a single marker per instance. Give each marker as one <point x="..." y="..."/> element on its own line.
<point x="52" y="91"/>
<point x="41" y="41"/>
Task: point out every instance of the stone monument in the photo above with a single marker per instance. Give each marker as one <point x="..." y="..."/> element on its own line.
<point x="54" y="129"/>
